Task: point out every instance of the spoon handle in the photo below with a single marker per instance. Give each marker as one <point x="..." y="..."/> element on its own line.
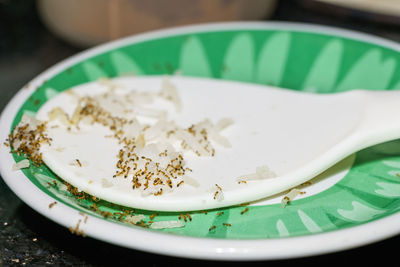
<point x="381" y="116"/>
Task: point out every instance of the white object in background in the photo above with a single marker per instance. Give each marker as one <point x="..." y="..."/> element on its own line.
<point x="90" y="22"/>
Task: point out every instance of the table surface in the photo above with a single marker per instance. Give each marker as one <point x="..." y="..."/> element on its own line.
<point x="27" y="238"/>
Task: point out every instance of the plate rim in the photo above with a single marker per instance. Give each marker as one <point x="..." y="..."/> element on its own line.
<point x="191" y="247"/>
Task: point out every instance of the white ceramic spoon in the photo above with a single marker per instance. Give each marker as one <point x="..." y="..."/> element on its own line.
<point x="297" y="135"/>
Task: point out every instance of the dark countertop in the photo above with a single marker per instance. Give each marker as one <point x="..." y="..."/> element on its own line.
<point x="27" y="238"/>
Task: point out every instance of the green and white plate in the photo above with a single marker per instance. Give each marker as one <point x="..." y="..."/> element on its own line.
<point x="354" y="203"/>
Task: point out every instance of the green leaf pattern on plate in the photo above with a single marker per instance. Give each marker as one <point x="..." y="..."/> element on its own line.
<point x="388" y="189"/>
<point x="125" y="65"/>
<point x="272" y="59"/>
<point x="50" y="93"/>
<point x="324" y="71"/>
<point x="239" y="59"/>
<point x="371" y="71"/>
<point x="193" y="59"/>
<point x="93" y="72"/>
<point x="282" y="230"/>
<point x="311" y="226"/>
<point x="369" y="191"/>
<point x="360" y="212"/>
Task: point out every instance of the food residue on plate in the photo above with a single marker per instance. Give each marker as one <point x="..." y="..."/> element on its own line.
<point x="153" y="149"/>
<point x="262" y="172"/>
<point x="218" y="194"/>
<point x="290" y="196"/>
<point x="76" y="230"/>
<point x="244" y="211"/>
<point x="21" y="165"/>
<point x="167" y="224"/>
<point x="27" y="138"/>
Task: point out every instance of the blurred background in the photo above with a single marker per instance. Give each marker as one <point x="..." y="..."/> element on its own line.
<point x="35" y="35"/>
